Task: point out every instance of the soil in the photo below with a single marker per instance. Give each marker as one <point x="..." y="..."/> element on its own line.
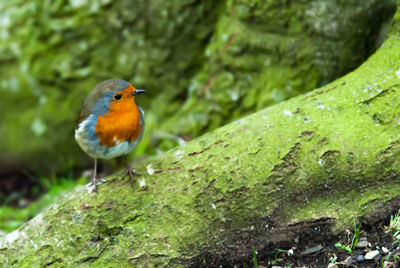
<point x="15" y="186"/>
<point x="310" y="250"/>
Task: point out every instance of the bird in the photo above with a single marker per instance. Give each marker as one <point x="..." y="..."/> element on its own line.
<point x="110" y="123"/>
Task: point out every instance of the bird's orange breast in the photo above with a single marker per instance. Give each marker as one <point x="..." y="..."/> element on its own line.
<point x="121" y="123"/>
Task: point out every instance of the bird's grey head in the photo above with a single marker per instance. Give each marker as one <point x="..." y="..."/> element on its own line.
<point x="103" y="94"/>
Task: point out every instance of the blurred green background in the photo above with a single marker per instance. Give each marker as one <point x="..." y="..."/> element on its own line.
<point x="203" y="64"/>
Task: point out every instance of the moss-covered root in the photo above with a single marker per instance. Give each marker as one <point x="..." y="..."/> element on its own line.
<point x="331" y="154"/>
<point x="265" y="52"/>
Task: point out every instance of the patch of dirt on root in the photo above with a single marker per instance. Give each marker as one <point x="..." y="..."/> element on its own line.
<point x="312" y="250"/>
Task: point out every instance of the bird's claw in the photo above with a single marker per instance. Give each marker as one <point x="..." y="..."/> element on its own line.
<point x="92" y="186"/>
<point x="129" y="171"/>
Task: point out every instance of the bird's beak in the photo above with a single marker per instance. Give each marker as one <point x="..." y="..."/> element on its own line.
<point x="138" y="91"/>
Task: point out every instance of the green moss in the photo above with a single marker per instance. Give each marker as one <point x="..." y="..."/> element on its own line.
<point x="345" y="206"/>
<point x="264" y="52"/>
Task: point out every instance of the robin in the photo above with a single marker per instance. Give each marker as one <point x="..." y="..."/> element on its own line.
<point x="110" y="123"/>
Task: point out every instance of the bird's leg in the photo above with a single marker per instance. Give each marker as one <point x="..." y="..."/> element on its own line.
<point x="95" y="170"/>
<point x="95" y="178"/>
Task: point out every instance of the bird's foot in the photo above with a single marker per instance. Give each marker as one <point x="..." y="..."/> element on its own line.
<point x="92" y="186"/>
<point x="129" y="171"/>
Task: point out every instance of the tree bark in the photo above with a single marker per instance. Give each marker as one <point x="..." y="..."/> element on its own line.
<point x="318" y="160"/>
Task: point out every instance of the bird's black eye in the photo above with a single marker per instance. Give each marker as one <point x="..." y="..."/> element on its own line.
<point x="117" y="96"/>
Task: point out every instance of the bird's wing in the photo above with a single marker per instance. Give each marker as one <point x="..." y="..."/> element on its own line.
<point x="88" y="105"/>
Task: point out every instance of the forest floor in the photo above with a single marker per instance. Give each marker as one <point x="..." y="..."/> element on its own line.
<point x="376" y="245"/>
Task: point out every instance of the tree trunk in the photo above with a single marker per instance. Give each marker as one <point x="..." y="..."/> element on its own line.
<point x="318" y="160"/>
